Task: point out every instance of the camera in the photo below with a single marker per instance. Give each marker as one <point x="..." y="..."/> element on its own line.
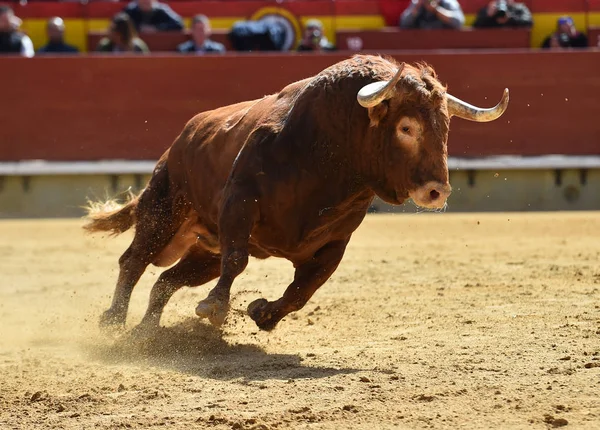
<point x="564" y="40"/>
<point x="501" y="9"/>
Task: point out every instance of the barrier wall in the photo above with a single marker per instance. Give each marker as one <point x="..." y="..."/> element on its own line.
<point x="91" y="108"/>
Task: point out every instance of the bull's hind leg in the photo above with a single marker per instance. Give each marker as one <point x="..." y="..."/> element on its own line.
<point x="238" y="215"/>
<point x="157" y="219"/>
<point x="132" y="264"/>
<point x="197" y="267"/>
<point x="308" y="277"/>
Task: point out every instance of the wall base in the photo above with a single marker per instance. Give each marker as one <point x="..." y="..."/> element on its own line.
<point x="44" y="190"/>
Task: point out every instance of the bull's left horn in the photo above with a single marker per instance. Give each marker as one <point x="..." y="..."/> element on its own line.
<point x="374" y="93"/>
<point x="464" y="110"/>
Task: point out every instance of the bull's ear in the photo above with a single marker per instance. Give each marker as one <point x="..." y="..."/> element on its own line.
<point x="378" y="112"/>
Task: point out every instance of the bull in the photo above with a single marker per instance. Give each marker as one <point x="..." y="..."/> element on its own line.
<point x="290" y="175"/>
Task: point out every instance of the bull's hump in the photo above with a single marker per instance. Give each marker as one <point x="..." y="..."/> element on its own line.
<point x="235" y="117"/>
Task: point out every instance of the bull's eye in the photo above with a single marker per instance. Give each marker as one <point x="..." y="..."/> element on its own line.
<point x="408" y="131"/>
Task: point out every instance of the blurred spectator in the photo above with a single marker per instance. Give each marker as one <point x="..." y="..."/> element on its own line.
<point x="13" y="41"/>
<point x="201" y="43"/>
<point x="504" y="13"/>
<point x="565" y="36"/>
<point x="122" y="37"/>
<point x="430" y="14"/>
<point x="55" y="29"/>
<point x="313" y="38"/>
<point x="152" y="15"/>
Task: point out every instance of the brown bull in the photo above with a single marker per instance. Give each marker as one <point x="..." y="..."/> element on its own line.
<point x="289" y="175"/>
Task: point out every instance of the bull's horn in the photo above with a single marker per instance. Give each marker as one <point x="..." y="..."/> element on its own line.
<point x="374" y="93"/>
<point x="464" y="110"/>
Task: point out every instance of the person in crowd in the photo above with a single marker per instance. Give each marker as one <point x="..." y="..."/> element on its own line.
<point x="432" y="14"/>
<point x="313" y="38"/>
<point x="565" y="36"/>
<point x="122" y="37"/>
<point x="12" y="40"/>
<point x="55" y="29"/>
<point x="200" y="42"/>
<point x="504" y="13"/>
<point x="153" y="15"/>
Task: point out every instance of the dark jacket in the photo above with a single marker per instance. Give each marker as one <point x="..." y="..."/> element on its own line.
<point x="11" y="42"/>
<point x="580" y="40"/>
<point x="519" y="15"/>
<point x="60" y="47"/>
<point x="207" y="46"/>
<point x="162" y="17"/>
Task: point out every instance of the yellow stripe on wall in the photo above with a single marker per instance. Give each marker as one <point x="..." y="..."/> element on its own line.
<point x="98" y="24"/>
<point x="36" y="30"/>
<point x="366" y="22"/>
<point x="470" y="19"/>
<point x="75" y="33"/>
<point x="594" y="19"/>
<point x="223" y="23"/>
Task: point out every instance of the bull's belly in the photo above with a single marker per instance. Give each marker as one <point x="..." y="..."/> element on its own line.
<point x="296" y="253"/>
<point x="190" y="234"/>
<point x="297" y="244"/>
<point x="296" y="240"/>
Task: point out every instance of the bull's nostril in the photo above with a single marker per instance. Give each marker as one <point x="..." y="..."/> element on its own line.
<point x="434" y="194"/>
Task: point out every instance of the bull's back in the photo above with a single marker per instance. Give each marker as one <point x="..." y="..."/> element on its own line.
<point x="201" y="158"/>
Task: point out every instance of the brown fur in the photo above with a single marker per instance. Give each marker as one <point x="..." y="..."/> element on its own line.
<point x="290" y="175"/>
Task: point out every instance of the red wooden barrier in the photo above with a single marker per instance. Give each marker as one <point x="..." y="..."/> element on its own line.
<point x="118" y="107"/>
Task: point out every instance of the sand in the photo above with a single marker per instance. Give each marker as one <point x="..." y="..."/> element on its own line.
<point x="473" y="321"/>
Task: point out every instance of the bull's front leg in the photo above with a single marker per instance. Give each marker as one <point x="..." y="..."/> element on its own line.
<point x="237" y="219"/>
<point x="308" y="277"/>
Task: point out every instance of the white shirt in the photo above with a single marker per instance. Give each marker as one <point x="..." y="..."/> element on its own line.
<point x="27" y="47"/>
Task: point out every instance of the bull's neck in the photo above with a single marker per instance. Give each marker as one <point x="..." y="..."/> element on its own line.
<point x="331" y="135"/>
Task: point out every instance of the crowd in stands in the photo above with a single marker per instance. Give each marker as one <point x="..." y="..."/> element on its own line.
<point x="146" y="16"/>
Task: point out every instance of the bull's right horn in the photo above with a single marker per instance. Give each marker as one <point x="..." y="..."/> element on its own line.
<point x="464" y="110"/>
<point x="374" y="93"/>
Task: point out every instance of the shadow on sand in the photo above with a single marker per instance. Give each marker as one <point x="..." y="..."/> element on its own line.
<point x="196" y="348"/>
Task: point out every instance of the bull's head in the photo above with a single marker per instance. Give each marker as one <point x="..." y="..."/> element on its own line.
<point x="410" y="114"/>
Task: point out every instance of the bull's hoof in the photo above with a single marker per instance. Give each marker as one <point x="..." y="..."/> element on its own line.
<point x="259" y="311"/>
<point x="112" y="320"/>
<point x="214" y="309"/>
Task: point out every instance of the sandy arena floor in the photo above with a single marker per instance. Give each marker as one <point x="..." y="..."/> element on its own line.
<point x="475" y="321"/>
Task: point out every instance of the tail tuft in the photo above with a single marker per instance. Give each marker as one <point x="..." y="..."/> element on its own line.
<point x="111" y="216"/>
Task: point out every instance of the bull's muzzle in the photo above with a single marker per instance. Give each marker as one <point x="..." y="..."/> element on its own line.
<point x="432" y="195"/>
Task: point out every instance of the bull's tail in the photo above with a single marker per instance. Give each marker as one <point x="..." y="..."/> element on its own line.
<point x="111" y="216"/>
